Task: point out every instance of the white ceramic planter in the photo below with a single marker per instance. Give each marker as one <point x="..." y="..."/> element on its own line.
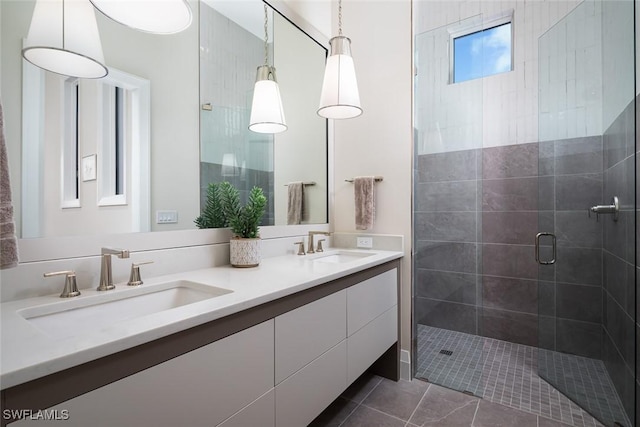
<point x="245" y="252"/>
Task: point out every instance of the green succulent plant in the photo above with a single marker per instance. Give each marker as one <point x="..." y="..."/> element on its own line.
<point x="223" y="209"/>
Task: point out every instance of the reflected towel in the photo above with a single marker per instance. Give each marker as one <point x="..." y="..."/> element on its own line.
<point x="294" y="202"/>
<point x="8" y="242"/>
<point x="364" y="192"/>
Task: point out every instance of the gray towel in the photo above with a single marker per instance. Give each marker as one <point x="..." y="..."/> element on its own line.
<point x="364" y="192"/>
<point x="8" y="242"/>
<point x="295" y="198"/>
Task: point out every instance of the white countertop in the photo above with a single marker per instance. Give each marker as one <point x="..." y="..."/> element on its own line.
<point x="27" y="353"/>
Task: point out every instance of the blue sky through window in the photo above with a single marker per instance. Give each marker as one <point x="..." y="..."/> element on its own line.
<point x="482" y="53"/>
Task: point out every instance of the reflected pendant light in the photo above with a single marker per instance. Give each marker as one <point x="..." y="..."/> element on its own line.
<point x="63" y="38"/>
<point x="267" y="115"/>
<point x="151" y="16"/>
<point x="339" y="98"/>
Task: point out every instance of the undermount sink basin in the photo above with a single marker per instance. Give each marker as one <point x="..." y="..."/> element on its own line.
<point x="340" y="257"/>
<point x="80" y="316"/>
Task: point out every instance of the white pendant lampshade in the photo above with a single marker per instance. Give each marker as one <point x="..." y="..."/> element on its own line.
<point x="340" y="98"/>
<point x="151" y="16"/>
<point x="63" y="38"/>
<point x="267" y="114"/>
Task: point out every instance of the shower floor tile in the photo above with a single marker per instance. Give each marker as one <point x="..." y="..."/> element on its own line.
<point x="507" y="373"/>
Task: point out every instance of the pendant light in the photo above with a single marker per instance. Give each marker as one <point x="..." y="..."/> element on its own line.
<point x="340" y="98"/>
<point x="150" y="16"/>
<point x="63" y="38"/>
<point x="267" y="115"/>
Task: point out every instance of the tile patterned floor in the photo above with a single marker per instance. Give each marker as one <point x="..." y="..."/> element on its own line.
<point x="373" y="401"/>
<point x="507" y="374"/>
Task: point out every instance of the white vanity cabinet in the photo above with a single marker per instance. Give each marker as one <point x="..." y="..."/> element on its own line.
<point x="279" y="364"/>
<point x="201" y="388"/>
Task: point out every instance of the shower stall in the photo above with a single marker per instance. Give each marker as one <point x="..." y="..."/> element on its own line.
<point x="525" y="265"/>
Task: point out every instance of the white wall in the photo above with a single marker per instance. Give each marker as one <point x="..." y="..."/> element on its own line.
<point x="508" y="113"/>
<point x="379" y="142"/>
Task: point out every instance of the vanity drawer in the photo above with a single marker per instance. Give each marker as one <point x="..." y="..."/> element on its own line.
<point x="370" y="342"/>
<point x="370" y="298"/>
<point x="307" y="332"/>
<point x="304" y="395"/>
<point x="203" y="387"/>
<point x="261" y="413"/>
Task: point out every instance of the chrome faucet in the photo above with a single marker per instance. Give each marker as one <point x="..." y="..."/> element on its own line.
<point x="310" y="249"/>
<point x="106" y="278"/>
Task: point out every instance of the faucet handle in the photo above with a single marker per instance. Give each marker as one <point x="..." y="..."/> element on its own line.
<point x="300" y="247"/>
<point x="319" y="248"/>
<point x="134" y="277"/>
<point x="70" y="285"/>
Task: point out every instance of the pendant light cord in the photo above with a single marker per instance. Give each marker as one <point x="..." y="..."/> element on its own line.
<point x="266" y="37"/>
<point x="340" y="18"/>
<point x="63" y="25"/>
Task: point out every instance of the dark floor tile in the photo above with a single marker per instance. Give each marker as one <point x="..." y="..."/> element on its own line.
<point x="367" y="417"/>
<point x="399" y="399"/>
<point x="444" y="407"/>
<point x="546" y="422"/>
<point x="494" y="415"/>
<point x="335" y="414"/>
<point x="361" y="387"/>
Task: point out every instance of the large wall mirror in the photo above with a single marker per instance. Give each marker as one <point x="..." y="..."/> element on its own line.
<point x="181" y="103"/>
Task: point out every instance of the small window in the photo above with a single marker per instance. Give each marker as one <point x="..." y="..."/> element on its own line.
<point x="481" y="53"/>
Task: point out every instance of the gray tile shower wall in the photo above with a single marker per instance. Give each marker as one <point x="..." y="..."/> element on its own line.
<point x="477" y="213"/>
<point x="619" y="255"/>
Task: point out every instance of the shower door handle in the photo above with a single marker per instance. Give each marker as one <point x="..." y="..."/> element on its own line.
<point x="553" y="245"/>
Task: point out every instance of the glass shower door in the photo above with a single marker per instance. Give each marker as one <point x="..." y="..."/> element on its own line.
<point x="585" y="247"/>
<point x="447" y="295"/>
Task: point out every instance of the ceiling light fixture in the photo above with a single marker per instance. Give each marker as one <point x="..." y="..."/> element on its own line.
<point x="267" y="115"/>
<point x="150" y="16"/>
<point x="340" y="98"/>
<point x="63" y="38"/>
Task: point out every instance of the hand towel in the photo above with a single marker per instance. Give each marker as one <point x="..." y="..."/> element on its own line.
<point x="8" y="242"/>
<point x="364" y="192"/>
<point x="295" y="198"/>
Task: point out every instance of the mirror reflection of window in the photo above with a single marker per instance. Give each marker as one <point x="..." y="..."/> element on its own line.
<point x="70" y="150"/>
<point x="115" y="145"/>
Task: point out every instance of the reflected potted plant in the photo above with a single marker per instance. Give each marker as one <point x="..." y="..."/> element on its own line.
<point x="223" y="209"/>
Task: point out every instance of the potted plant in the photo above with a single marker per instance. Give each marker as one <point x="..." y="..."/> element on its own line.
<point x="223" y="209"/>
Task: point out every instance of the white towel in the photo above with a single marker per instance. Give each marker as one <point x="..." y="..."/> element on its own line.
<point x="364" y="192"/>
<point x="8" y="242"/>
<point x="295" y="197"/>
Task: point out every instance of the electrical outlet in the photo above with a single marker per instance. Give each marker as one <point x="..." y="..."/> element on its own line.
<point x="166" y="217"/>
<point x="364" y="242"/>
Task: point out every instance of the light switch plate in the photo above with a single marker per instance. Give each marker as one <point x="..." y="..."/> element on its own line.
<point x="364" y="242"/>
<point x="166" y="217"/>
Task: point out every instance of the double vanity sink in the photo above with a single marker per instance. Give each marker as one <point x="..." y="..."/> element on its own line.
<point x="47" y="334"/>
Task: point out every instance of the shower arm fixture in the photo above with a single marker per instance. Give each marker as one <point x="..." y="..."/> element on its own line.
<point x="612" y="209"/>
